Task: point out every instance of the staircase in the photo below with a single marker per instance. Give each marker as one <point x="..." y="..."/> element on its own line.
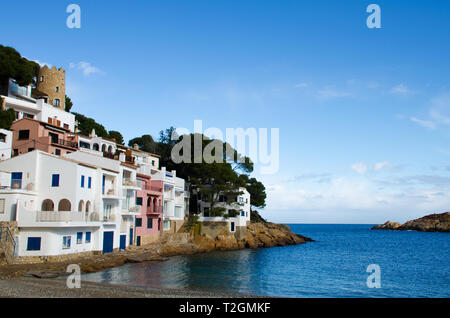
<point x="7" y="245"/>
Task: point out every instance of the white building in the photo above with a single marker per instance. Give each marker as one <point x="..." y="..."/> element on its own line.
<point x="5" y="144"/>
<point x="118" y="194"/>
<point x="240" y="207"/>
<point x="63" y="205"/>
<point x="28" y="107"/>
<point x="175" y="198"/>
<point x="97" y="145"/>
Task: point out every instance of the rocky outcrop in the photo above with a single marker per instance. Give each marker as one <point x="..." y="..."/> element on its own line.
<point x="430" y="223"/>
<point x="257" y="235"/>
<point x="387" y="226"/>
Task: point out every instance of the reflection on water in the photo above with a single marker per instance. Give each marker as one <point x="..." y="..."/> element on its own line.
<point x="413" y="264"/>
<point x="215" y="271"/>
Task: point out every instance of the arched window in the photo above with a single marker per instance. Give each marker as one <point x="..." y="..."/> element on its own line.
<point x="110" y="149"/>
<point x="103" y="148"/>
<point x="95" y="147"/>
<point x="88" y="206"/>
<point x="64" y="205"/>
<point x="81" y="206"/>
<point x="48" y="205"/>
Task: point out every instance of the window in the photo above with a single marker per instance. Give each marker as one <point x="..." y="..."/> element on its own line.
<point x="242" y="213"/>
<point x="153" y="163"/>
<point x="58" y="152"/>
<point x="30" y="149"/>
<point x="25" y="115"/>
<point x="2" y="137"/>
<point x="139" y="201"/>
<point x="42" y="78"/>
<point x="15" y="152"/>
<point x="2" y="206"/>
<point x="85" y="145"/>
<point x="232" y="229"/>
<point x="66" y="126"/>
<point x="88" y="237"/>
<point x="34" y="244"/>
<point x="138" y="222"/>
<point x="57" y="89"/>
<point x="16" y="180"/>
<point x="82" y="181"/>
<point x="66" y="242"/>
<point x="54" y="137"/>
<point x="149" y="223"/>
<point x="24" y="134"/>
<point x="55" y="180"/>
<point x="89" y="182"/>
<point x="56" y="102"/>
<point x="79" y="237"/>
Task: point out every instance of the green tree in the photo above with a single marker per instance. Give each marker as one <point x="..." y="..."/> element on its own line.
<point x="144" y="142"/>
<point x="7" y="117"/>
<point x="69" y="104"/>
<point x="257" y="192"/>
<point x="86" y="124"/>
<point x="13" y="65"/>
<point x="117" y="136"/>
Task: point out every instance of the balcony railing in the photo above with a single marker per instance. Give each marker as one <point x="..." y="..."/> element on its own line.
<point x="156" y="209"/>
<point x="129" y="182"/>
<point x="65" y="143"/>
<point x="18" y="185"/>
<point x="66" y="216"/>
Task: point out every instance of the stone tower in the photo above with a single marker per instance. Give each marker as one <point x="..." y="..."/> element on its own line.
<point x="52" y="82"/>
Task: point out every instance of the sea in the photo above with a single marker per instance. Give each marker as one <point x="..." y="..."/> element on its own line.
<point x="345" y="260"/>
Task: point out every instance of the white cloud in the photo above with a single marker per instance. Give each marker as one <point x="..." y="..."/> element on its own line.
<point x="302" y="85"/>
<point x="401" y="89"/>
<point x="367" y="200"/>
<point x="87" y="68"/>
<point x="360" y="167"/>
<point x="424" y="123"/>
<point x="381" y="165"/>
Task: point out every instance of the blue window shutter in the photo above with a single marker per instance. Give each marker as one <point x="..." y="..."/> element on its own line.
<point x="55" y="180"/>
<point x="82" y="181"/>
<point x="89" y="182"/>
<point x="34" y="244"/>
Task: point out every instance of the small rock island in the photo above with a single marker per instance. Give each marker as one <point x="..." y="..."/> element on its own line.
<point x="429" y="223"/>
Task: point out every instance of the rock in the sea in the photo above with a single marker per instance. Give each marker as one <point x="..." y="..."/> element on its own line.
<point x="430" y="223"/>
<point x="387" y="226"/>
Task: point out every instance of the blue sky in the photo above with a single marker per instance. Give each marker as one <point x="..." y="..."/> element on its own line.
<point x="364" y="114"/>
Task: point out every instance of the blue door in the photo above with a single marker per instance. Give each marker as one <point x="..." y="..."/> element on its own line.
<point x="123" y="239"/>
<point x="131" y="236"/>
<point x="108" y="239"/>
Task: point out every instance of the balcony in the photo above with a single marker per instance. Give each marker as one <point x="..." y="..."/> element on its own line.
<point x="66" y="216"/>
<point x="64" y="143"/>
<point x="131" y="210"/>
<point x="17" y="185"/>
<point x="127" y="182"/>
<point x="154" y="210"/>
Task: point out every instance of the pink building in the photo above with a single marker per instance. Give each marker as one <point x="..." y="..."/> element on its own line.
<point x="150" y="197"/>
<point x="52" y="137"/>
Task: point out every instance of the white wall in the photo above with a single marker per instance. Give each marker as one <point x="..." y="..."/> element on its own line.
<point x="6" y="146"/>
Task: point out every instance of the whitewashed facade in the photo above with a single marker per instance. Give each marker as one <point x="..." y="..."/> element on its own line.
<point x="66" y="205"/>
<point x="242" y="206"/>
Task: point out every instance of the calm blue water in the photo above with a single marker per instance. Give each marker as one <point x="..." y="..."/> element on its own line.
<point x="413" y="264"/>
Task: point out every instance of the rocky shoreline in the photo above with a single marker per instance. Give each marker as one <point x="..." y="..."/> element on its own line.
<point x="259" y="235"/>
<point x="429" y="223"/>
